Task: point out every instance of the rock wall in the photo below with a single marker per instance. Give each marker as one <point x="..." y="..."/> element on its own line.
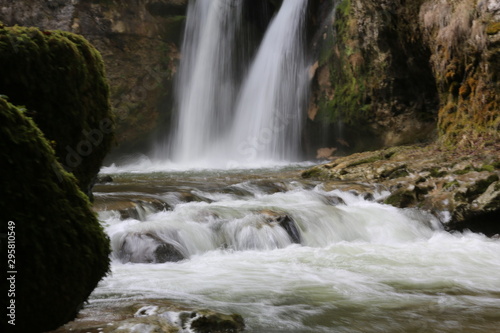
<point x="372" y="85"/>
<point x="139" y="42"/>
<point x="464" y="37"/>
<point x="392" y="72"/>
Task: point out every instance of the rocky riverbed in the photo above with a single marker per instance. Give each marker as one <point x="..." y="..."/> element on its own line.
<point x="459" y="186"/>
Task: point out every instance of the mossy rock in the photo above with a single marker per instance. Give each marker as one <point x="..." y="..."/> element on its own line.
<point x="60" y="78"/>
<point x="61" y="250"/>
<point x="402" y="199"/>
<point x="493" y="28"/>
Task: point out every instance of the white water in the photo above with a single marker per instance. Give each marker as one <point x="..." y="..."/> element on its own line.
<point x="270" y="109"/>
<point x="222" y="123"/>
<point x="206" y="87"/>
<point x="360" y="267"/>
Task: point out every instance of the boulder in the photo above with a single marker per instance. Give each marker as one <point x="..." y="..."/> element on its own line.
<point x="61" y="250"/>
<point x="285" y="222"/>
<point x="149" y="248"/>
<point x="59" y="77"/>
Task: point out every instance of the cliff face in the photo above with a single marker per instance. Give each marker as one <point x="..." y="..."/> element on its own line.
<point x="139" y="43"/>
<point x="384" y="73"/>
<point x="403" y="71"/>
<point x="464" y="37"/>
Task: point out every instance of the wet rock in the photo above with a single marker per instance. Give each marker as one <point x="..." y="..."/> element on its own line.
<point x="141" y="208"/>
<point x="463" y="183"/>
<point x="104" y="179"/>
<point x="135" y="206"/>
<point x="149" y="248"/>
<point x="284" y="221"/>
<point x="153" y="315"/>
<point x="167" y="253"/>
<point x="217" y="323"/>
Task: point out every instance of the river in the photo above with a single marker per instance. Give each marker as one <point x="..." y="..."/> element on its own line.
<point x="340" y="262"/>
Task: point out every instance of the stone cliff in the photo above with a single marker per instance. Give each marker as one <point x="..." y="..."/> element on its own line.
<point x="394" y="72"/>
<point x="139" y="42"/>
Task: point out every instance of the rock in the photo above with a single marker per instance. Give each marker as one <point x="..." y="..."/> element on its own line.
<point x="149" y="248"/>
<point x="104" y="179"/>
<point x="152" y="315"/>
<point x="217" y="323"/>
<point x="464" y="183"/>
<point x="284" y="221"/>
<point x="72" y="108"/>
<point x="365" y="89"/>
<point x="139" y="42"/>
<point x="389" y="73"/>
<point x="61" y="249"/>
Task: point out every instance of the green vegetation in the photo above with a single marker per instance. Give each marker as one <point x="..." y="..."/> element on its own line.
<point x="61" y="250"/>
<point x="493" y="28"/>
<point x="347" y="73"/>
<point x="59" y="77"/>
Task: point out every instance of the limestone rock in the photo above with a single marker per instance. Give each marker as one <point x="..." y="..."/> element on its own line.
<point x="460" y="187"/>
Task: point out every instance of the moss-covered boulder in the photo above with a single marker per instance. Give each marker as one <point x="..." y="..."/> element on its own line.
<point x="60" y="79"/>
<point x="58" y="249"/>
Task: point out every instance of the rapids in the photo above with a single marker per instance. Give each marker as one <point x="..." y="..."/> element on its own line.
<point x="360" y="266"/>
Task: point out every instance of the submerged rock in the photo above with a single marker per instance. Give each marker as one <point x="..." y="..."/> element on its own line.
<point x="149" y="248"/>
<point x="285" y="222"/>
<point x="209" y="322"/>
<point x="153" y="316"/>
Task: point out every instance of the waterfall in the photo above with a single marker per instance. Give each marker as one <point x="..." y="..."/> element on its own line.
<point x="269" y="110"/>
<point x="206" y="87"/>
<point x="219" y="118"/>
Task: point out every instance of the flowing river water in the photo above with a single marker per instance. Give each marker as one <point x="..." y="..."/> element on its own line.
<point x="292" y="255"/>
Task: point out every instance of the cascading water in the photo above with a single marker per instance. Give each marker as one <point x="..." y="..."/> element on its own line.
<point x="206" y="86"/>
<point x="270" y="108"/>
<point x="288" y="254"/>
<point x="292" y="255"/>
<point x="221" y="121"/>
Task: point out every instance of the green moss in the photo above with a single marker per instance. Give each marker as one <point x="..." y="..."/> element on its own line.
<point x="312" y="173"/>
<point x="398" y="172"/>
<point x="479" y="187"/>
<point x="347" y="72"/>
<point x="61" y="249"/>
<point x="493" y="28"/>
<point x="436" y="172"/>
<point x="464" y="171"/>
<point x="370" y="159"/>
<point x="401" y="199"/>
<point x="60" y="78"/>
<point x="488" y="167"/>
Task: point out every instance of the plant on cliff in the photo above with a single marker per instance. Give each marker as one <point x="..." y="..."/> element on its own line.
<point x="466" y="63"/>
<point x="61" y="251"/>
<point x="60" y="78"/>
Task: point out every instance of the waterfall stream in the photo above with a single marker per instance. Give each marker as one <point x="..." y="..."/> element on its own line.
<point x="292" y="255"/>
<point x="224" y="120"/>
<point x="207" y="230"/>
